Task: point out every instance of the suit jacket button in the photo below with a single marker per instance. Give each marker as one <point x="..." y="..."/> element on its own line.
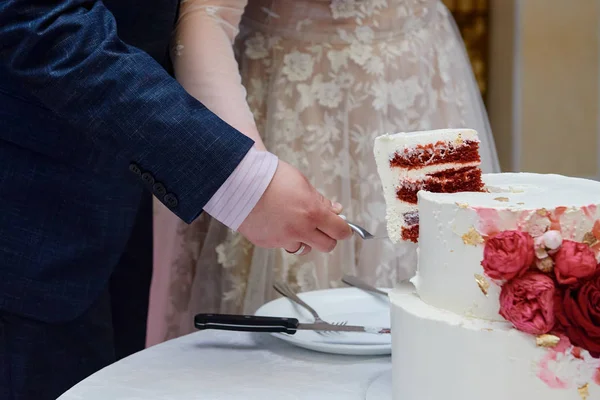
<point x="171" y="200"/>
<point x="159" y="189"/>
<point x="148" y="178"/>
<point x="135" y="169"/>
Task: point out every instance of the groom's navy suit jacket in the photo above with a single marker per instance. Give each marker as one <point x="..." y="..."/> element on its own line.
<point x="89" y="115"/>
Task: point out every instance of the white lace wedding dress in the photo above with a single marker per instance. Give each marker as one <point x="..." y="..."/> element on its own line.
<point x="323" y="79"/>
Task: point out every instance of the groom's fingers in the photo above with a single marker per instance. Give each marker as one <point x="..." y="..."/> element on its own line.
<point x="308" y="218"/>
<point x="336" y="207"/>
<point x="334" y="226"/>
<point x="307" y="249"/>
<point x="328" y="220"/>
<point x="320" y="241"/>
<point x="330" y="205"/>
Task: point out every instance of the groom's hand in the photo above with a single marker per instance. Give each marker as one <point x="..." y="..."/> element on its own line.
<point x="292" y="213"/>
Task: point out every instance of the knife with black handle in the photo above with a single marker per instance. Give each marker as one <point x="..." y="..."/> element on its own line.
<point x="253" y="323"/>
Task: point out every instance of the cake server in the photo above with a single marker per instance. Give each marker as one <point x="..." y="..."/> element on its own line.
<point x="253" y="323"/>
<point x="360" y="231"/>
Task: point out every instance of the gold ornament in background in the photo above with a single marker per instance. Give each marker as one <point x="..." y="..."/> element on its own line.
<point x="472" y="18"/>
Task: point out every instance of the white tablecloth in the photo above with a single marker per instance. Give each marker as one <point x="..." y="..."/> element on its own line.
<point x="231" y="365"/>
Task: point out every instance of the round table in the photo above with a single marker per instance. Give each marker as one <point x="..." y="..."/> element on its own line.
<point x="231" y="365"/>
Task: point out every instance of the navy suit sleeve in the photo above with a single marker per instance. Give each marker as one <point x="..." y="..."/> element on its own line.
<point x="67" y="54"/>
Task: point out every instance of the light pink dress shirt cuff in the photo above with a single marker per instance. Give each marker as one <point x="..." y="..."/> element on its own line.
<point x="234" y="200"/>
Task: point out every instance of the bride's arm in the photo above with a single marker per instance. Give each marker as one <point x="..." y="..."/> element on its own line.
<point x="204" y="61"/>
<point x="205" y="66"/>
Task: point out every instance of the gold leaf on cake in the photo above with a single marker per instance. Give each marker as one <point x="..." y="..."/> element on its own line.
<point x="590" y="239"/>
<point x="584" y="391"/>
<point x="483" y="284"/>
<point x="521" y="203"/>
<point x="542" y="212"/>
<point x="472" y="237"/>
<point x="547" y="340"/>
<point x="462" y="205"/>
<point x="503" y="199"/>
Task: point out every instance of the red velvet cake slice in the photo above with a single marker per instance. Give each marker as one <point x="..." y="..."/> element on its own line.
<point x="442" y="161"/>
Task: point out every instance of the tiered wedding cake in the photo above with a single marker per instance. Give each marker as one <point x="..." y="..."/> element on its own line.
<point x="506" y="299"/>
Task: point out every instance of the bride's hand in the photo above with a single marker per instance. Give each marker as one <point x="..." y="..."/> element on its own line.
<point x="291" y="213"/>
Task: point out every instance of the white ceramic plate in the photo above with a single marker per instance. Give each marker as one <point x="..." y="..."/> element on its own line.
<point x="381" y="387"/>
<point x="352" y="305"/>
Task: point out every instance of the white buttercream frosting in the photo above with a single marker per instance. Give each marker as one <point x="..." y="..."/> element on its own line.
<point x="448" y="339"/>
<point x="438" y="354"/>
<point x="447" y="265"/>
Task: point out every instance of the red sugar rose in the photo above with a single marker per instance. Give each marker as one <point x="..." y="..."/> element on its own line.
<point x="528" y="303"/>
<point x="577" y="313"/>
<point x="508" y="254"/>
<point x="573" y="262"/>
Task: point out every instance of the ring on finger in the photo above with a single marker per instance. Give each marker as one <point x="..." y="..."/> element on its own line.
<point x="299" y="251"/>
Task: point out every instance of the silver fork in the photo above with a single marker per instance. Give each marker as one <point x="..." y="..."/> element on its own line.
<point x="286" y="291"/>
<point x="360" y="231"/>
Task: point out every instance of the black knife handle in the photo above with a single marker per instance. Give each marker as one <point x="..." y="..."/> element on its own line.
<point x="245" y="323"/>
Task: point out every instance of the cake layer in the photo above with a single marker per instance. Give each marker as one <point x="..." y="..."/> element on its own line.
<point x="439" y="355"/>
<point x="448" y="181"/>
<point x="440" y="152"/>
<point x="410" y="233"/>
<point x="453" y="228"/>
<point x="437" y="160"/>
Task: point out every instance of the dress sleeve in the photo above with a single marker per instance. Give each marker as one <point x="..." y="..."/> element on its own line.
<point x="205" y="64"/>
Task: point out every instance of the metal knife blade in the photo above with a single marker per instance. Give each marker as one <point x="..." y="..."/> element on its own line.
<point x="321" y="326"/>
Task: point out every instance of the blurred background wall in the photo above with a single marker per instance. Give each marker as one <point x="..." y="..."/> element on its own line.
<point x="538" y="67"/>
